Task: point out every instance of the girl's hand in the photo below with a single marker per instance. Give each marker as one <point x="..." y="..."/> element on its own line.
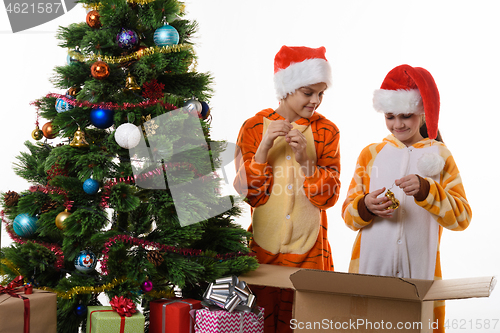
<point x="378" y="206"/>
<point x="298" y="142"/>
<point x="409" y="184"/>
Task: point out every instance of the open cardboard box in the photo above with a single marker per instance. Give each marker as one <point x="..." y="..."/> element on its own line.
<point x="364" y="303"/>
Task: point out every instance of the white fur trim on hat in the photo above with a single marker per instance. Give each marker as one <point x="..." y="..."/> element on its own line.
<point x="398" y="101"/>
<point x="301" y="74"/>
<point x="430" y="164"/>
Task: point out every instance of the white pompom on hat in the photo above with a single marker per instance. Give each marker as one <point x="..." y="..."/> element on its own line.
<point x="299" y="66"/>
<point x="408" y="89"/>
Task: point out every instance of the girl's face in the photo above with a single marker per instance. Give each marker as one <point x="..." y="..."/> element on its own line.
<point x="405" y="127"/>
<point x="303" y="102"/>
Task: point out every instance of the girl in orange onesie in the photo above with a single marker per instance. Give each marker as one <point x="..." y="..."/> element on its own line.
<point x="288" y="166"/>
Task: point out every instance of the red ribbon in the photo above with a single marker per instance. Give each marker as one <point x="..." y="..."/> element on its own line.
<point x="122" y="322"/>
<point x="12" y="290"/>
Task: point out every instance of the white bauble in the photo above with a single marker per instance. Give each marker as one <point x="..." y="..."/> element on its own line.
<point x="128" y="135"/>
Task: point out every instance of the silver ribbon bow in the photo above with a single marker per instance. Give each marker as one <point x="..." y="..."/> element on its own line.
<point x="231" y="294"/>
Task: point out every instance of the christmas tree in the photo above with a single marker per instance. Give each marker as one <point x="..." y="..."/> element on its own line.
<point x="125" y="199"/>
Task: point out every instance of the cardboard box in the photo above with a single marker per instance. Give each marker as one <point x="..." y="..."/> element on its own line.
<point x="43" y="312"/>
<point x="105" y="320"/>
<point x="364" y="303"/>
<point x="172" y="315"/>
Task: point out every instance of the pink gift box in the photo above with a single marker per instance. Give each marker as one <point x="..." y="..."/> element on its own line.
<point x="222" y="321"/>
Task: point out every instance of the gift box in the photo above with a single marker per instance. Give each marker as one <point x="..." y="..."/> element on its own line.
<point x="40" y="317"/>
<point x="103" y="319"/>
<point x="223" y="321"/>
<point x="172" y="315"/>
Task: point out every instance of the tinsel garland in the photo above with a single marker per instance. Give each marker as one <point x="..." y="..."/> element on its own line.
<point x="107" y="105"/>
<point x="98" y="5"/>
<point x="85" y="289"/>
<point x="106" y="189"/>
<point x="145" y="244"/>
<point x="133" y="56"/>
<point x="10" y="266"/>
<point x="68" y="204"/>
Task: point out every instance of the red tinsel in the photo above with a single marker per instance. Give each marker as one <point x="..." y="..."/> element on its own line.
<point x="153" y="90"/>
<point x="107" y="105"/>
<point x="123" y="306"/>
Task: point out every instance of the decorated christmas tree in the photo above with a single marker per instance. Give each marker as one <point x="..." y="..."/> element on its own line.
<point x="125" y="198"/>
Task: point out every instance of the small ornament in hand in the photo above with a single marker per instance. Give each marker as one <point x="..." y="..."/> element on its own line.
<point x="395" y="202"/>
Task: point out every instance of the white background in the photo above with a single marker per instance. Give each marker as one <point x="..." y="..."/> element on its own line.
<point x="457" y="41"/>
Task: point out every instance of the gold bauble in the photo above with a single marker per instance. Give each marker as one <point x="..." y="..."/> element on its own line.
<point x="37" y="133"/>
<point x="395" y="202"/>
<point x="60" y="219"/>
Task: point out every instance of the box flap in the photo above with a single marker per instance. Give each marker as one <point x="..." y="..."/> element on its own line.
<point x="360" y="284"/>
<point x="461" y="288"/>
<point x="270" y="275"/>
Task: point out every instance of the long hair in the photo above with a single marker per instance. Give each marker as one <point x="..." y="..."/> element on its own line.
<point x="423" y="132"/>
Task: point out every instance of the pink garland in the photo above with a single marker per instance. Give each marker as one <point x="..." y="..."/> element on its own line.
<point x="161" y="247"/>
<point x="68" y="204"/>
<point x="108" y="105"/>
<point x="56" y="249"/>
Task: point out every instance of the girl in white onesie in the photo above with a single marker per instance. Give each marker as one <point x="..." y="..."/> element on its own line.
<point x="423" y="176"/>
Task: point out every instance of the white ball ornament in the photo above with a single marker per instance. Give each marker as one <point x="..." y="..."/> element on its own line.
<point x="128" y="135"/>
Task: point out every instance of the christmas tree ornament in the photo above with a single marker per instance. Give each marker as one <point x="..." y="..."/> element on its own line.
<point x="100" y="70"/>
<point x="147" y="286"/>
<point x="73" y="91"/>
<point x="62" y="105"/>
<point x="155" y="257"/>
<point x="37" y="133"/>
<point x="128" y="135"/>
<point x="81" y="310"/>
<point x="60" y="219"/>
<point x="153" y="89"/>
<point x="127" y="39"/>
<point x="48" y="130"/>
<point x="102" y="118"/>
<point x="141" y="51"/>
<point x="131" y="84"/>
<point x="395" y="202"/>
<point x="25" y="225"/>
<point x="10" y="198"/>
<point x="91" y="186"/>
<point x="85" y="261"/>
<point x="70" y="59"/>
<point x="94" y="19"/>
<point x="193" y="105"/>
<point x="205" y="110"/>
<point x="79" y="139"/>
<point x="166" y="36"/>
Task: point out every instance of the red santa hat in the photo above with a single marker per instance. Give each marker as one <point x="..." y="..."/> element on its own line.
<point x="299" y="66"/>
<point x="409" y="89"/>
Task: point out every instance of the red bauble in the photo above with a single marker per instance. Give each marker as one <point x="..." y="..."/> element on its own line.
<point x="48" y="131"/>
<point x="93" y="19"/>
<point x="100" y="70"/>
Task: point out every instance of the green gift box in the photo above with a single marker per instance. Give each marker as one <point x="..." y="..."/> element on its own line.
<point x="102" y="319"/>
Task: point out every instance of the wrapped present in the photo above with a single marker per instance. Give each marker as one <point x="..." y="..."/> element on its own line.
<point x="230" y="307"/>
<point x="217" y="320"/>
<point x="27" y="310"/>
<point x="172" y="315"/>
<point x="120" y="317"/>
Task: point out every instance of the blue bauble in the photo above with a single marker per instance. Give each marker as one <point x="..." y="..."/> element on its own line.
<point x="62" y="105"/>
<point x="127" y="39"/>
<point x="90" y="186"/>
<point x="102" y="118"/>
<point x="71" y="60"/>
<point x="81" y="310"/>
<point x="205" y="110"/>
<point x="85" y="261"/>
<point x="25" y="225"/>
<point x="166" y="35"/>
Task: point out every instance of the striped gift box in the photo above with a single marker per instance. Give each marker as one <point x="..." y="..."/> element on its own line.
<point x="222" y="321"/>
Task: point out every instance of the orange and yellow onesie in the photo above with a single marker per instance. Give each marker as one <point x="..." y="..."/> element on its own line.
<point x="406" y="245"/>
<point x="289" y="223"/>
